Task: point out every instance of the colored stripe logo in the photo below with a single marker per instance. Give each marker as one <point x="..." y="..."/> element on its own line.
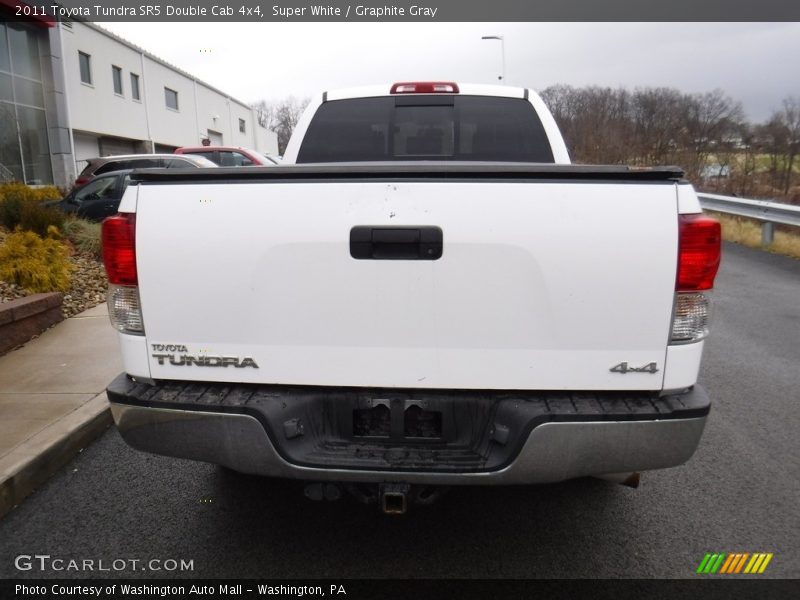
<point x="734" y="563"/>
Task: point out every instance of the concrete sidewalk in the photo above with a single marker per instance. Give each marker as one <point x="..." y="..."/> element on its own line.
<point x="52" y="400"/>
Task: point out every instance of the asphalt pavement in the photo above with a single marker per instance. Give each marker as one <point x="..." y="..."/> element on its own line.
<point x="738" y="494"/>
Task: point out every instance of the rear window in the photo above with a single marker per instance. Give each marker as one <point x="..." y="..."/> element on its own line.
<point x="89" y="168"/>
<point x="233" y="159"/>
<point x="176" y="163"/>
<point x="114" y="165"/>
<point x="222" y="158"/>
<point x="187" y="162"/>
<point x="479" y="128"/>
<point x="211" y="155"/>
<point x="146" y="163"/>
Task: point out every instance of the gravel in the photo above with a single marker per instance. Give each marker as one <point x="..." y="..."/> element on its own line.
<point x="11" y="291"/>
<point x="88" y="288"/>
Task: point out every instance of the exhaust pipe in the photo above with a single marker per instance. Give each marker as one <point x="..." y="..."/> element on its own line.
<point x="627" y="479"/>
<point x="394" y="498"/>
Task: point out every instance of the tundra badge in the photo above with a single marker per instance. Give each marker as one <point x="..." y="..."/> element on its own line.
<point x="176" y="354"/>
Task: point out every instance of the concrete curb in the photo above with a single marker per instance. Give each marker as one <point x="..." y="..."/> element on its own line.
<point x="34" y="461"/>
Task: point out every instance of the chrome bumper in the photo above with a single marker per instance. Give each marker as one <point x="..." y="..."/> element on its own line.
<point x="552" y="452"/>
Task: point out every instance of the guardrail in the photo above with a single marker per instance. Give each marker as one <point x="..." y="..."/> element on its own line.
<point x="763" y="210"/>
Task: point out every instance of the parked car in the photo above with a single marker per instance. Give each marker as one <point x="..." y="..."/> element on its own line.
<point x="106" y="164"/>
<point x="96" y="199"/>
<point x="230" y="156"/>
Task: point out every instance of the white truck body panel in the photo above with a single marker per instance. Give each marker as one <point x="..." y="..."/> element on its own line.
<point x="533" y="291"/>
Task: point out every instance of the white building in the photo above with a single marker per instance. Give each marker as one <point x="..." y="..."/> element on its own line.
<point x="74" y="91"/>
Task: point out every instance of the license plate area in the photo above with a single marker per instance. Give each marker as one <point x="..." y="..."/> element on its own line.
<point x="397" y="419"/>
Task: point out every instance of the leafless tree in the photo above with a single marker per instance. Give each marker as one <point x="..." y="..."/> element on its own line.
<point x="659" y="116"/>
<point x="651" y="126"/>
<point x="712" y="124"/>
<point x="790" y="116"/>
<point x="774" y="140"/>
<point x="594" y="122"/>
<point x="740" y="161"/>
<point x="281" y="117"/>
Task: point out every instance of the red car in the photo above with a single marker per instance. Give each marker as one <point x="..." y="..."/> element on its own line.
<point x="230" y="156"/>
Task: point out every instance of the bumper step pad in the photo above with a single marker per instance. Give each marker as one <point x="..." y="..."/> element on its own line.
<point x="475" y="431"/>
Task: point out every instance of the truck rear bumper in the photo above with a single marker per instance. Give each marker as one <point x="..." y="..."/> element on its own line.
<point x="514" y="438"/>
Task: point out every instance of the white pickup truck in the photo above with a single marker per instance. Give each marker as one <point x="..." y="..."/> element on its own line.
<point x="427" y="294"/>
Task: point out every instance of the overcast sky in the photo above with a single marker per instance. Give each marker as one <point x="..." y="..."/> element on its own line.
<point x="755" y="63"/>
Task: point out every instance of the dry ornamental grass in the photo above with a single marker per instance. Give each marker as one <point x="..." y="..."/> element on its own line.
<point x="87" y="287"/>
<point x="748" y="233"/>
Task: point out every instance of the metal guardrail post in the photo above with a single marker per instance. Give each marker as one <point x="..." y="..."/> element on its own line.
<point x="767" y="233"/>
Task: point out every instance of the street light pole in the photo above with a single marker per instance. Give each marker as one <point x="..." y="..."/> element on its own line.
<point x="502" y="52"/>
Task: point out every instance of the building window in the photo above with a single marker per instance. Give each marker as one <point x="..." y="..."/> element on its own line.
<point x="24" y="145"/>
<point x="86" y="67"/>
<point x="24" y="49"/>
<point x="171" y="97"/>
<point x="242" y="128"/>
<point x="116" y="74"/>
<point x="135" y="87"/>
<point x="5" y="62"/>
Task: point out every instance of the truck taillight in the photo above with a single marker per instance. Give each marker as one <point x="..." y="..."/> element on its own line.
<point x="119" y="258"/>
<point x="690" y="317"/>
<point x="119" y="249"/>
<point x="699" y="247"/>
<point x="125" y="309"/>
<point x="425" y="87"/>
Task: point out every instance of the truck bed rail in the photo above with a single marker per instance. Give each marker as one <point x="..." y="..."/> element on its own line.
<point x="436" y="170"/>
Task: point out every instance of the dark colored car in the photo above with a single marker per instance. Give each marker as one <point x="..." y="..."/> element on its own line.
<point x="106" y="164"/>
<point x="97" y="199"/>
<point x="230" y="156"/>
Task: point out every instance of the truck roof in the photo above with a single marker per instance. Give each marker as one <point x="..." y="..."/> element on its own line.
<point x="474" y="89"/>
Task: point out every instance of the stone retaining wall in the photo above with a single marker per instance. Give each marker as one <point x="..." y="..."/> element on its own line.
<point x="24" y="318"/>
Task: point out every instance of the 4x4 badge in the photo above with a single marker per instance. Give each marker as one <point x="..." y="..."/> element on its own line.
<point x="623" y="368"/>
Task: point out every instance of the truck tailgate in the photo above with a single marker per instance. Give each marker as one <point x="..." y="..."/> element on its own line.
<point x="541" y="285"/>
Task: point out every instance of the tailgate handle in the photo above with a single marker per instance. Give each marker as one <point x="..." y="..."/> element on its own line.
<point x="368" y="242"/>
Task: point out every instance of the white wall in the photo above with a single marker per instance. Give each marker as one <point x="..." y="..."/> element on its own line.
<point x="85" y="148"/>
<point x="167" y="126"/>
<point x="97" y="109"/>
